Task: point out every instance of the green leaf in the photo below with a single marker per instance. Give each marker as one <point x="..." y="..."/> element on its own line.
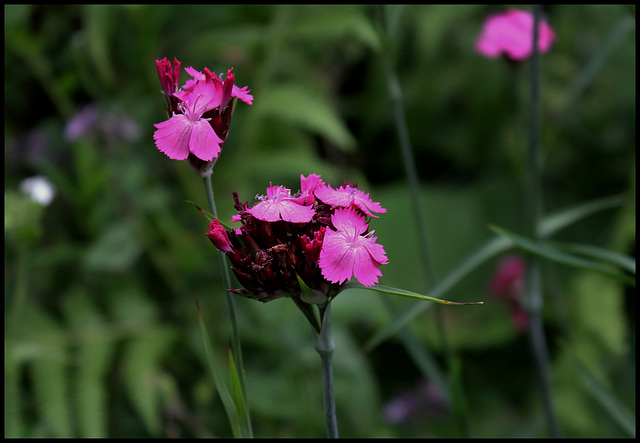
<point x="142" y="361"/>
<point x="219" y="379"/>
<point x="95" y="352"/>
<point x="616" y="410"/>
<point x="549" y="225"/>
<point x="295" y="104"/>
<point x="50" y="374"/>
<point x="553" y="223"/>
<point x="117" y="248"/>
<point x="605" y="255"/>
<point x="561" y="257"/>
<point x="239" y="398"/>
<point x="404" y="293"/>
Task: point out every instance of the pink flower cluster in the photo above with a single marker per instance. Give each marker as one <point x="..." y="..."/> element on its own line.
<point x="199" y="112"/>
<point x="510" y="33"/>
<point x="320" y="235"/>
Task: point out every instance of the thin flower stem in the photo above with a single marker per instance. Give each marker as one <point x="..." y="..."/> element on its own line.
<point x="324" y="345"/>
<point x="533" y="292"/>
<point x="235" y="336"/>
<point x="399" y="114"/>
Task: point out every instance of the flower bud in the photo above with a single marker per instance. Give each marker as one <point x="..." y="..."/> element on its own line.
<point x="218" y="236"/>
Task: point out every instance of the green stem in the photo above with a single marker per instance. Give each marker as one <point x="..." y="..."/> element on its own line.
<point x="324" y="345"/>
<point x="533" y="292"/>
<point x="235" y="336"/>
<point x="399" y="114"/>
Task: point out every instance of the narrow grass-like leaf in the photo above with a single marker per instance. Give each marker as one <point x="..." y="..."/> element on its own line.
<point x="206" y="214"/>
<point x="403" y="293"/>
<point x="553" y="223"/>
<point x="561" y="257"/>
<point x="549" y="225"/>
<point x="239" y="398"/>
<point x="605" y="255"/>
<point x="219" y="379"/>
<point x="614" y="407"/>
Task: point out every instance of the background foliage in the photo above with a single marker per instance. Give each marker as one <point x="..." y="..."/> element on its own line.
<point x="101" y="335"/>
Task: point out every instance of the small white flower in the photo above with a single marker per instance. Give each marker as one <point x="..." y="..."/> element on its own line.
<point x="39" y="189"/>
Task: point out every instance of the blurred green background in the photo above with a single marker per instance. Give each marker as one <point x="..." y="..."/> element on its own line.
<point x="101" y="329"/>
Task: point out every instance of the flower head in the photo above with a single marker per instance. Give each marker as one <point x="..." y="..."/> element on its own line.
<point x="346" y="196"/>
<point x="347" y="252"/>
<point x="509" y="33"/>
<point x="199" y="114"/>
<point x="279" y="205"/>
<point x="190" y="133"/>
<point x="287" y="244"/>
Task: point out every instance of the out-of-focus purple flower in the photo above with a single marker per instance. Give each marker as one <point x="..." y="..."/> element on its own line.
<point x="422" y="400"/>
<point x="81" y="123"/>
<point x="509" y="33"/>
<point x="111" y="126"/>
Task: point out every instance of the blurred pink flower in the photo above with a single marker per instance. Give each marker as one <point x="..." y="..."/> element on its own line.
<point x="279" y="205"/>
<point x="348" y="195"/>
<point x="508" y="278"/>
<point x="510" y="33"/>
<point x="347" y="253"/>
<point x="507" y="284"/>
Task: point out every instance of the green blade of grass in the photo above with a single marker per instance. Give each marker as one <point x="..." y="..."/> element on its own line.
<point x="614" y="407"/>
<point x="623" y="261"/>
<point x="404" y="293"/>
<point x="218" y="376"/>
<point x="239" y="398"/>
<point x="560" y="257"/>
<point x="549" y="225"/>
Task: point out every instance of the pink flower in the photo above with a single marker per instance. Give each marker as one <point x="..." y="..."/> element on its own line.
<point x="347" y="253"/>
<point x="346" y="196"/>
<point x="508" y="279"/>
<point x="218" y="236"/>
<point x="307" y="187"/>
<point x="227" y="84"/>
<point x="188" y="132"/>
<point x="510" y="33"/>
<point x="200" y="114"/>
<point x="279" y="205"/>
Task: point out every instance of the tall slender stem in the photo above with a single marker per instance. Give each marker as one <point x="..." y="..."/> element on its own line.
<point x="235" y="336"/>
<point x="533" y="289"/>
<point x="400" y="120"/>
<point x="324" y="345"/>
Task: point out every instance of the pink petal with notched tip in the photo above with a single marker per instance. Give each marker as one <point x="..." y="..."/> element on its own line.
<point x="172" y="137"/>
<point x="204" y="142"/>
<point x="346" y="253"/>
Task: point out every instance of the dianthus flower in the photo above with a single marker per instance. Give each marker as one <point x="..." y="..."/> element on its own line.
<point x="279" y="205"/>
<point x="509" y="33"/>
<point x="349" y="251"/>
<point x="348" y="195"/>
<point x="199" y="114"/>
<point x="290" y="244"/>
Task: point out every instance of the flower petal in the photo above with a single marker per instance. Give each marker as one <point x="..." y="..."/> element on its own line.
<point x="204" y="142"/>
<point x="172" y="136"/>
